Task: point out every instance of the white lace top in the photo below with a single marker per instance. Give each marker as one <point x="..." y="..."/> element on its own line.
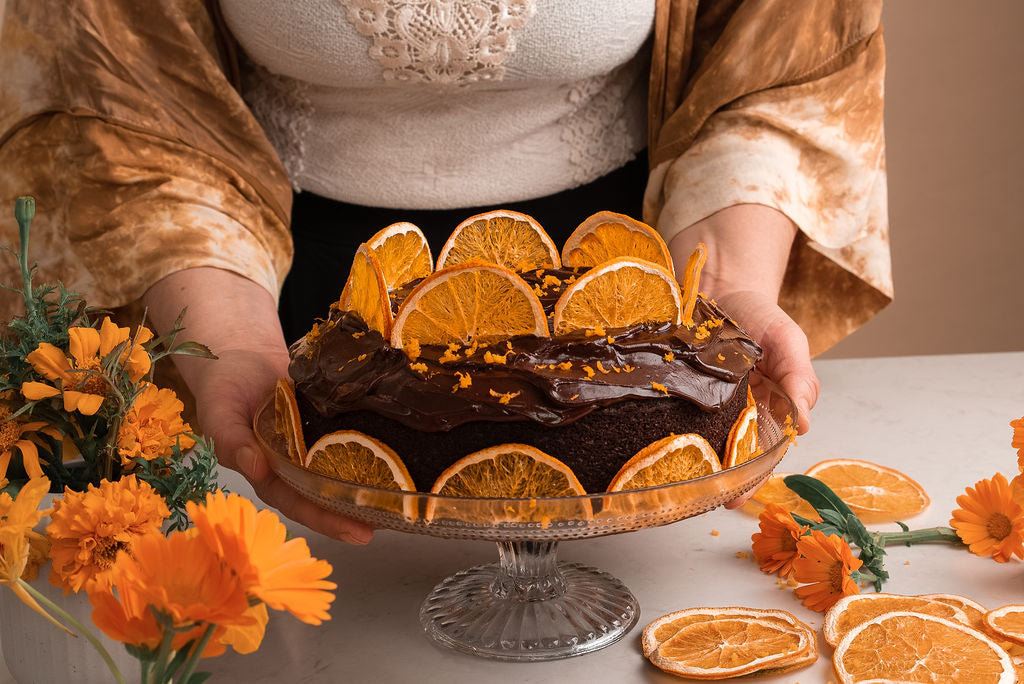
<point x="434" y="104"/>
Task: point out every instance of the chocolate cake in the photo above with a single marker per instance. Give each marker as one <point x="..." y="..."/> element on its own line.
<point x="591" y="400"/>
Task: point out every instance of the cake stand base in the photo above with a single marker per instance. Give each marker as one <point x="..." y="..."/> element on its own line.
<point x="528" y="606"/>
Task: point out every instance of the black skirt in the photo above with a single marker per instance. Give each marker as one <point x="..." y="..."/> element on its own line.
<point x="326" y="234"/>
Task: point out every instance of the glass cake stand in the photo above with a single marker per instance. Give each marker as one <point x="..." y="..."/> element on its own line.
<point x="529" y="606"/>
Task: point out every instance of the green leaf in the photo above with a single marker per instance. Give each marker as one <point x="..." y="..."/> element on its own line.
<point x="834" y="518"/>
<point x="198" y="677"/>
<point x="818" y="494"/>
<point x="858" y="533"/>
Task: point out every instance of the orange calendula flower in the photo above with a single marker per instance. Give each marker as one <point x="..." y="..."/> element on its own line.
<point x="88" y="529"/>
<point x="274" y="569"/>
<point x="78" y="378"/>
<point x="989" y="521"/>
<point x="775" y="545"/>
<point x="11" y="432"/>
<point x="179" y="577"/>
<point x="1017" y="441"/>
<point x="824" y="566"/>
<point x="17" y="518"/>
<point x="153" y="426"/>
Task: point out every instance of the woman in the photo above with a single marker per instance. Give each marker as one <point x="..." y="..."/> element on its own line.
<point x="163" y="141"/>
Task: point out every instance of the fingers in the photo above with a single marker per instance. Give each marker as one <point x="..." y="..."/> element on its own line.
<point x="740" y="500"/>
<point x="277" y="493"/>
<point x="787" y="361"/>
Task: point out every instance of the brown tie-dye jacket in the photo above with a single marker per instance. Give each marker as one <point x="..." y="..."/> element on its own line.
<point x="121" y="118"/>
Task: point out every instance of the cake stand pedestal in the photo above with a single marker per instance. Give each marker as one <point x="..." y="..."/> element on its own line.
<point x="529" y="606"/>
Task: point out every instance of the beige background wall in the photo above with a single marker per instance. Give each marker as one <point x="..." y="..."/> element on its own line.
<point x="955" y="136"/>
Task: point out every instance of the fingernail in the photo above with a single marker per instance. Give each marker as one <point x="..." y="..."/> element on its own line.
<point x="247" y="462"/>
<point x="359" y="536"/>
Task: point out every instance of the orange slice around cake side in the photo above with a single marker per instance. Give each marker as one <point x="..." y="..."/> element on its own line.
<point x="403" y="254"/>
<point x="606" y="235"/>
<point x="672" y="459"/>
<point x="511" y="471"/>
<point x="468" y="302"/>
<point x="287" y="422"/>
<point x="366" y="292"/>
<point x="617" y="294"/>
<point x="741" y="445"/>
<point x="503" y="237"/>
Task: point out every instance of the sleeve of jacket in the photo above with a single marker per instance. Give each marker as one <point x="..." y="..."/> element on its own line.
<point x="781" y="106"/>
<point x="116" y="115"/>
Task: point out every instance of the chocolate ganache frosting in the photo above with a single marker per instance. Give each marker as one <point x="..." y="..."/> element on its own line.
<point x="340" y="366"/>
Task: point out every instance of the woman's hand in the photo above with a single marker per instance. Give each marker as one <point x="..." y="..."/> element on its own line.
<point x="748" y="248"/>
<point x="237" y="319"/>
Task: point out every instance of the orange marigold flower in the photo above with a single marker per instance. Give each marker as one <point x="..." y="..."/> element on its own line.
<point x="775" y="545"/>
<point x="824" y="566"/>
<point x="989" y="521"/>
<point x="79" y="377"/>
<point x="11" y="432"/>
<point x="274" y="569"/>
<point x="88" y="529"/>
<point x="153" y="426"/>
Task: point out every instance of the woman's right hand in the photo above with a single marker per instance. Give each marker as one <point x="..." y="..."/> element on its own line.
<point x="237" y="319"/>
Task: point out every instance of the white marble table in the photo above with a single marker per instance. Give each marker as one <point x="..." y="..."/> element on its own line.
<point x="941" y="419"/>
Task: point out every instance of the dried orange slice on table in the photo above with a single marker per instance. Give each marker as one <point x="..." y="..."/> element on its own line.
<point x="741" y="445"/>
<point x="719" y="643"/>
<point x="775" y="491"/>
<point x="874" y="492"/>
<point x="672" y="459"/>
<point x="468" y="302"/>
<point x="607" y="235"/>
<point x="352" y="456"/>
<point x="1006" y="623"/>
<point x="509" y="471"/>
<point x="366" y="292"/>
<point x="850" y="611"/>
<point x="506" y="238"/>
<point x="287" y="422"/>
<point x="618" y="294"/>
<point x="403" y="254"/>
<point x="904" y="646"/>
<point x="974" y="611"/>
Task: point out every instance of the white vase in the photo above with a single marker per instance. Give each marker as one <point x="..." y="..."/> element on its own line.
<point x="38" y="653"/>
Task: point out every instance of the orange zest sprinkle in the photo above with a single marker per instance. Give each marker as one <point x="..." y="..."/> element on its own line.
<point x="418" y="367"/>
<point x="721" y="357"/>
<point x="714" y="533"/>
<point x="628" y="368"/>
<point x="361" y="357"/>
<point x="550" y="280"/>
<point x="469" y="351"/>
<point x="496" y="358"/>
<point x="341" y="368"/>
<point x="589" y="371"/>
<point x="539" y="291"/>
<point x="609" y="339"/>
<point x="597" y="332"/>
<point x="661" y="388"/>
<point x="691" y="280"/>
<point x="601" y="368"/>
<point x="574" y="397"/>
<point x="504" y="397"/>
<point x="565" y="365"/>
<point x="449" y="356"/>
<point x="412" y="349"/>
<point x="357" y="335"/>
<point x="670" y="357"/>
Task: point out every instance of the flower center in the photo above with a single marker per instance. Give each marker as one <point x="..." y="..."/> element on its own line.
<point x="105" y="552"/>
<point x="999" y="526"/>
<point x="836" y="577"/>
<point x="787" y="543"/>
<point x="10" y="430"/>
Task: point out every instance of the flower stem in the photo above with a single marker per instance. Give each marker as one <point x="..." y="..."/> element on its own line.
<point x="118" y="677"/>
<point x="928" y="534"/>
<point x="197" y="650"/>
<point x="160" y="674"/>
<point x="24" y="212"/>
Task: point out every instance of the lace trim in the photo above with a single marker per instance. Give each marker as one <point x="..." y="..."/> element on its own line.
<point x="440" y="41"/>
<point x="597" y="132"/>
<point x="283" y="108"/>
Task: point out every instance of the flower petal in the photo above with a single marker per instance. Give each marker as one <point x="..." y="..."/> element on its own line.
<point x="49" y="361"/>
<point x="38" y="390"/>
<point x="29" y="458"/>
<point x="86" y="404"/>
<point x="84" y="344"/>
<point x="110" y="335"/>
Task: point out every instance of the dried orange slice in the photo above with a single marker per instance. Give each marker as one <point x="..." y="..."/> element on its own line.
<point x="618" y="294"/>
<point x="850" y="611"/>
<point x="506" y="238"/>
<point x="508" y="471"/>
<point x="661" y="629"/>
<point x="1006" y="623"/>
<point x="607" y="235"/>
<point x="469" y="302"/>
<point x="403" y="254"/>
<point x="287" y="422"/>
<point x="905" y="646"/>
<point x="672" y="459"/>
<point x="691" y="282"/>
<point x="366" y="292"/>
<point x="874" y="492"/>
<point x="355" y="457"/>
<point x="730" y="647"/>
<point x="974" y="611"/>
<point x="741" y="445"/>
<point x="774" y="490"/>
